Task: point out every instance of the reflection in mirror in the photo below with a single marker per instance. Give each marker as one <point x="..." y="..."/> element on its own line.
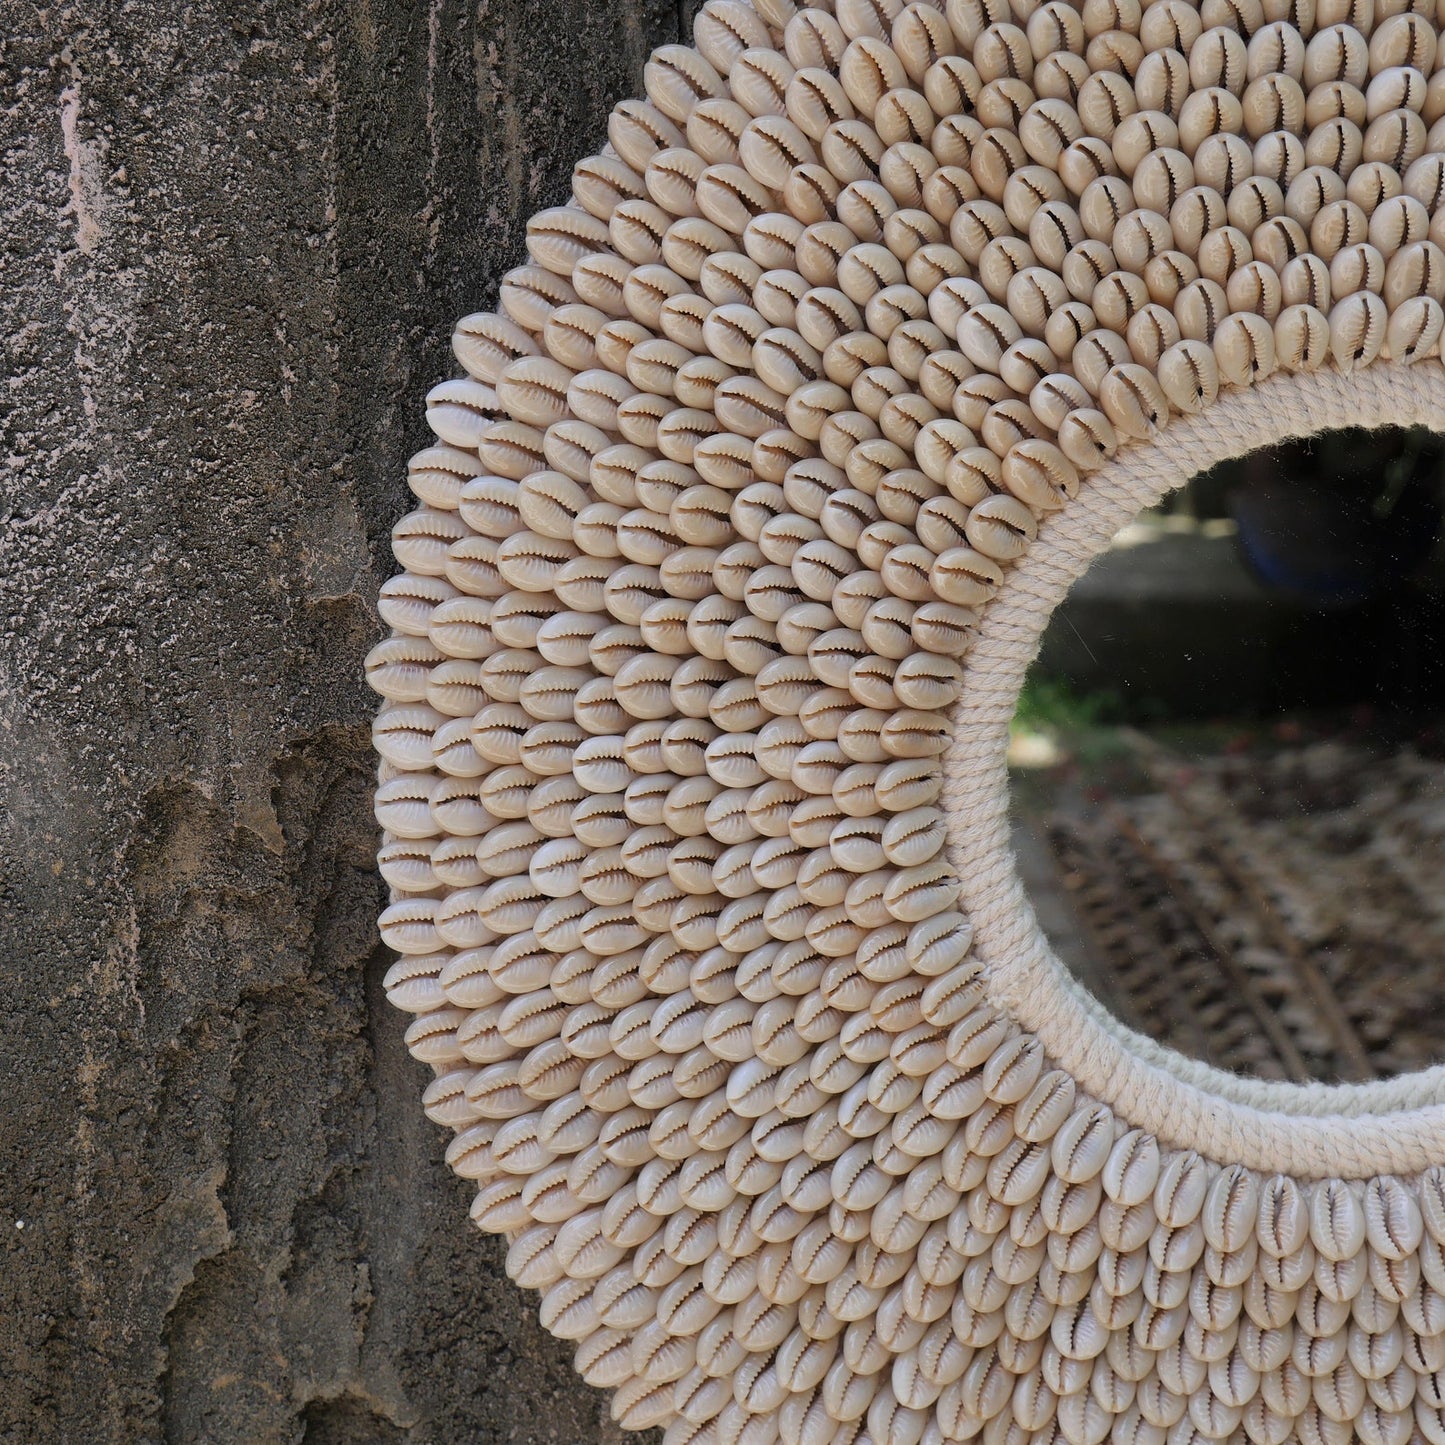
<point x="1228" y="764"/>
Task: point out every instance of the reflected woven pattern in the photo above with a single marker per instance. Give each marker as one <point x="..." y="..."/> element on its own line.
<point x="860" y="303"/>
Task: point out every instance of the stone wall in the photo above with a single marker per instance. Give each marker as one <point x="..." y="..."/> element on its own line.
<point x="234" y="239"/>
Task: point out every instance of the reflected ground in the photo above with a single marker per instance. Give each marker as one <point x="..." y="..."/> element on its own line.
<point x="1228" y="766"/>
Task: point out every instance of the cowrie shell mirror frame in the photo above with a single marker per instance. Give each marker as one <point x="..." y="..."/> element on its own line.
<point x="853" y="348"/>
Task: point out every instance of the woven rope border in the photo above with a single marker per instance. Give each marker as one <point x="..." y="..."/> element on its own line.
<point x="1390" y="1126"/>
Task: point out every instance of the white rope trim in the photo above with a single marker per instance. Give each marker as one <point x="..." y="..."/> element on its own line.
<point x="1308" y="1130"/>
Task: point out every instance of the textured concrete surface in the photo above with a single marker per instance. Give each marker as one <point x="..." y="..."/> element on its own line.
<point x="233" y="241"/>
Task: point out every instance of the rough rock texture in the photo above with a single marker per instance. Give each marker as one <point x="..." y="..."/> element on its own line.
<point x="234" y="238"/>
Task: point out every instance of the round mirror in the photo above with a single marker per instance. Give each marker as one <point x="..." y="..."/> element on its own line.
<point x="1227" y="764"/>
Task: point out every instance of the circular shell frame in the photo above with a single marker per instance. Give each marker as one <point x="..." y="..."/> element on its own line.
<point x="867" y="329"/>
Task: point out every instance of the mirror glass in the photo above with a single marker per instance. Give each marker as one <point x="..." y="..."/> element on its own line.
<point x="1227" y="765"/>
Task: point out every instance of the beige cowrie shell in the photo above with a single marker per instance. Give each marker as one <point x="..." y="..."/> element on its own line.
<point x="1189" y="376"/>
<point x="1218" y="58"/>
<point x="985" y="333"/>
<point x="903" y="116"/>
<point x="1132" y="399"/>
<point x="676" y="78"/>
<point x="1305" y="280"/>
<point x="1150" y="333"/>
<point x="1170" y="25"/>
<point x="1167" y="274"/>
<point x="1280" y="156"/>
<point x="1095" y="354"/>
<point x="511" y="449"/>
<point x="1085" y="160"/>
<point x="1417" y="270"/>
<point x="810" y="192"/>
<point x="1139" y="237"/>
<point x="815" y="100"/>
<point x="560" y="237"/>
<point x="1302" y="338"/>
<point x="951" y="185"/>
<point x="1244" y="349"/>
<point x="459" y="411"/>
<point x="770" y="147"/>
<point x="998" y="153"/>
<point x="1054" y="230"/>
<point x="1414" y="329"/>
<point x="904" y="169"/>
<point x="1194" y="216"/>
<point x="1337" y="1220"/>
<point x="868" y="70"/>
<point x="1116" y="50"/>
<point x="1068" y="325"/>
<point x="965" y="577"/>
<point x="602" y="183"/>
<point x="1398" y="138"/>
<point x="824" y="314"/>
<point x="1425" y="181"/>
<point x="866" y="269"/>
<point x="1222" y="253"/>
<point x="1369" y="186"/>
<point x="758" y="81"/>
<point x="1210" y="112"/>
<point x="911" y="344"/>
<point x="864" y="207"/>
<point x="1311" y="191"/>
<point x="1055" y="27"/>
<point x="1200" y="308"/>
<point x="1335" y="144"/>
<point x="1336" y="53"/>
<point x="1162" y="81"/>
<point x="1140" y="134"/>
<point x="1040" y="475"/>
<point x="1279" y="241"/>
<point x="1026" y="363"/>
<point x="1398" y="88"/>
<point x="1103" y="205"/>
<point x="638" y="131"/>
<point x="422" y="541"/>
<point x="1055" y="396"/>
<point x="971" y="475"/>
<point x="1161" y="178"/>
<point x="920" y="36"/>
<point x="951" y="86"/>
<point x="1357" y="330"/>
<point x="1087" y="437"/>
<point x="810" y="37"/>
<point x="1003" y="50"/>
<point x="974" y="225"/>
<point x="1273" y="103"/>
<point x="1334" y="100"/>
<point x="1104" y="101"/>
<point x="1117" y="298"/>
<point x="1398" y="222"/>
<point x="939" y="443"/>
<point x="1003" y="102"/>
<point x="714" y="129"/>
<point x="485" y="343"/>
<point x="1336" y="226"/>
<point x="1255" y="287"/>
<point x="1277" y="48"/>
<point x="1405" y="39"/>
<point x="1048" y="128"/>
<point x="893" y="307"/>
<point x="1029" y="189"/>
<point x="1357" y="268"/>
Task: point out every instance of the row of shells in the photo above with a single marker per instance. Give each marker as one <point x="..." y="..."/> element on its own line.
<point x="856" y="297"/>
